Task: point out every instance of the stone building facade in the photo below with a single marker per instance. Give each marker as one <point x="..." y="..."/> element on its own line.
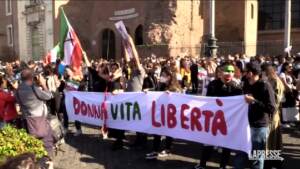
<point x="9" y="42"/>
<point x="167" y="28"/>
<point x="159" y="27"/>
<point x="27" y="32"/>
<point x="38" y="25"/>
<point x="163" y="28"/>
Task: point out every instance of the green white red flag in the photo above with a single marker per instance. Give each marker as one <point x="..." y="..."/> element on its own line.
<point x="71" y="53"/>
<point x="52" y="55"/>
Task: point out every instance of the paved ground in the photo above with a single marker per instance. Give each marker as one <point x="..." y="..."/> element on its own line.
<point x="89" y="151"/>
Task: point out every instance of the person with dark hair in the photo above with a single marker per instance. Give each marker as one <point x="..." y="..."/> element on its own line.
<point x="259" y="59"/>
<point x="31" y="64"/>
<point x="115" y="86"/>
<point x="240" y="62"/>
<point x="135" y="81"/>
<point x="262" y="106"/>
<point x="31" y="98"/>
<point x="221" y="87"/>
<point x="194" y="76"/>
<point x="150" y="81"/>
<point x="290" y="94"/>
<point x="100" y="80"/>
<point x="10" y="76"/>
<point x="296" y="67"/>
<point x="68" y="84"/>
<point x="99" y="76"/>
<point x="185" y="74"/>
<point x="167" y="83"/>
<point x="114" y="78"/>
<point x="281" y="60"/>
<point x="52" y="83"/>
<point x="275" y="138"/>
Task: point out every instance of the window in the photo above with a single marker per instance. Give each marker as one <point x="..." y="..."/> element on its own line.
<point x="139" y="35"/>
<point x="9" y="33"/>
<point x="272" y="13"/>
<point x="8" y="7"/>
<point x="108" y="44"/>
<point x="295" y="14"/>
<point x="252" y="11"/>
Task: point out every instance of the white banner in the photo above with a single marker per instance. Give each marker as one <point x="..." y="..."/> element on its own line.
<point x="221" y="121"/>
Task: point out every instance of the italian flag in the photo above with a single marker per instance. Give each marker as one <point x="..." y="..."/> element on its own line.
<point x="72" y="52"/>
<point x="52" y="55"/>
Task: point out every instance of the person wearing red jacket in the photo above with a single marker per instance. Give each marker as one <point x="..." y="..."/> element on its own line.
<point x="8" y="110"/>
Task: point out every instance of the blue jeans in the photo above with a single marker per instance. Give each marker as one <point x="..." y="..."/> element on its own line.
<point x="259" y="138"/>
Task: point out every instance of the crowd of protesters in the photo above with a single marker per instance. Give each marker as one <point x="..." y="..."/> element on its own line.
<point x="30" y="91"/>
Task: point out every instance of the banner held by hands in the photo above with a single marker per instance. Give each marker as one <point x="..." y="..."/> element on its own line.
<point x="221" y="121"/>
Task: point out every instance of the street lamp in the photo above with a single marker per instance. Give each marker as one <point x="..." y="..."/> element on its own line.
<point x="287" y="27"/>
<point x="211" y="50"/>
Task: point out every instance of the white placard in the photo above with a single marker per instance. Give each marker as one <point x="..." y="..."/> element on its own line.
<point x="219" y="121"/>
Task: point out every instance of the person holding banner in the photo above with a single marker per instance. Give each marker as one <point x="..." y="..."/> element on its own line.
<point x="134" y="84"/>
<point x="68" y="84"/>
<point x="115" y="86"/>
<point x="221" y="87"/>
<point x="99" y="76"/>
<point x="262" y="106"/>
<point x="100" y="80"/>
<point x="168" y="82"/>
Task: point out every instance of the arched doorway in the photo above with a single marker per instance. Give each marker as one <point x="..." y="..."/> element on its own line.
<point x="108" y="44"/>
<point x="139" y="35"/>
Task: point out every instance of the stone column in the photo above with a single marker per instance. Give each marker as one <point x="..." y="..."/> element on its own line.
<point x="287" y="24"/>
<point x="211" y="50"/>
<point x="49" y="44"/>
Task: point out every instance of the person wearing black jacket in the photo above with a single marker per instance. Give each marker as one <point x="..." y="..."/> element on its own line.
<point x="194" y="77"/>
<point x="150" y="81"/>
<point x="261" y="99"/>
<point x="99" y="82"/>
<point x="221" y="87"/>
<point x="167" y="83"/>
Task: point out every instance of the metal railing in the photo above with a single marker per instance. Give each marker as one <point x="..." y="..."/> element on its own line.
<point x="224" y="48"/>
